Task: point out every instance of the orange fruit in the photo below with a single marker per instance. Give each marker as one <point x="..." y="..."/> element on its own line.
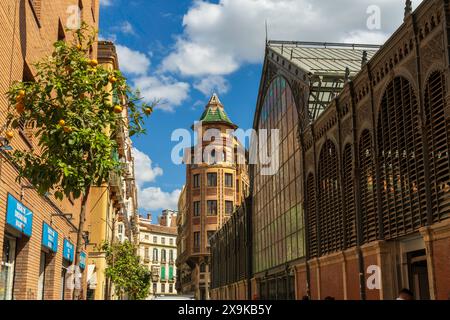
<point x="79" y="47"/>
<point x="9" y="135"/>
<point x="21" y="93"/>
<point x="118" y="109"/>
<point x="67" y="129"/>
<point x="148" y="111"/>
<point x="20" y="107"/>
<point x="112" y="79"/>
<point x="62" y="123"/>
<point x="93" y="63"/>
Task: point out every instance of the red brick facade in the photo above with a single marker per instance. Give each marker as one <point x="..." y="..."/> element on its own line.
<point x="29" y="28"/>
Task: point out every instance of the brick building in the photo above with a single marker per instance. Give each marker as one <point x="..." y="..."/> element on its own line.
<point x="215" y="186"/>
<point x="360" y="206"/>
<point x="37" y="234"/>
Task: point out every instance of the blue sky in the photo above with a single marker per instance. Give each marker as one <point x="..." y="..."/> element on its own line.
<point x="179" y="51"/>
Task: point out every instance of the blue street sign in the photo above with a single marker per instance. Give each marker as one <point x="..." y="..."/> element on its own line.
<point x="82" y="263"/>
<point x="68" y="250"/>
<point x="18" y="216"/>
<point x="49" y="238"/>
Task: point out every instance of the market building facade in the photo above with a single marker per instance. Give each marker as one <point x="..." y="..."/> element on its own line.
<point x="360" y="206"/>
<point x="37" y="233"/>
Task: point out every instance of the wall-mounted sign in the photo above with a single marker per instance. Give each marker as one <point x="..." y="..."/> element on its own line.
<point x="82" y="263"/>
<point x="68" y="250"/>
<point x="49" y="238"/>
<point x="18" y="216"/>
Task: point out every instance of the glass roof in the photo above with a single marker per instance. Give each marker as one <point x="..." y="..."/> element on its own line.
<point x="328" y="64"/>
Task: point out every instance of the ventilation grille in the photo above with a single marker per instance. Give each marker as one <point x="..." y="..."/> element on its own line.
<point x="330" y="203"/>
<point x="350" y="214"/>
<point x="312" y="217"/>
<point x="402" y="179"/>
<point x="438" y="140"/>
<point x="369" y="219"/>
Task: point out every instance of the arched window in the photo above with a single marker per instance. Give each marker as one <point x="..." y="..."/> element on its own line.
<point x="155" y="254"/>
<point x="369" y="215"/>
<point x="349" y="193"/>
<point x="312" y="217"/>
<point x="402" y="180"/>
<point x="163" y="255"/>
<point x="438" y="142"/>
<point x="330" y="201"/>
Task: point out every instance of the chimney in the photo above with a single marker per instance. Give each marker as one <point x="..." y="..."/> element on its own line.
<point x="149" y="217"/>
<point x="408" y="9"/>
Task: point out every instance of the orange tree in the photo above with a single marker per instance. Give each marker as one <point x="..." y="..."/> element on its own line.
<point x="76" y="108"/>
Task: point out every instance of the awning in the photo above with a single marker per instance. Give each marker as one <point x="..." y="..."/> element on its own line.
<point x="92" y="277"/>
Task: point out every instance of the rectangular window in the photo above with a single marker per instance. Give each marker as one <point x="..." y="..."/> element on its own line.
<point x="41" y="280"/>
<point x="163" y="274"/>
<point x="229" y="207"/>
<point x="163" y="287"/>
<point x="212" y="179"/>
<point x="197" y="209"/>
<point x="170" y="288"/>
<point x="155" y="240"/>
<point x="163" y="240"/>
<point x="171" y="241"/>
<point x="228" y="180"/>
<point x="146" y="253"/>
<point x="212" y="207"/>
<point x="171" y="273"/>
<point x="196" y="241"/>
<point x="196" y="181"/>
<point x="66" y="265"/>
<point x="155" y="288"/>
<point x="7" y="268"/>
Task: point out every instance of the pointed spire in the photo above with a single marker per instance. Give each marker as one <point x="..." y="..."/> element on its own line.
<point x="364" y="58"/>
<point x="214" y="101"/>
<point x="215" y="112"/>
<point x="408" y="8"/>
<point x="347" y="75"/>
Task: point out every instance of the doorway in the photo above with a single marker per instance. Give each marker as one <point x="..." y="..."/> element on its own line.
<point x="418" y="274"/>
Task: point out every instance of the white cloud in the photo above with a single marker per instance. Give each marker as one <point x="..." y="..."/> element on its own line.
<point x="169" y="92"/>
<point x="153" y="199"/>
<point x="127" y="28"/>
<point x="211" y="84"/>
<point x="145" y="171"/>
<point x="193" y="59"/>
<point x="219" y="37"/>
<point x="131" y="61"/>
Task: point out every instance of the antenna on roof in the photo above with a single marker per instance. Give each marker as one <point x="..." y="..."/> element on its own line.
<point x="267" y="33"/>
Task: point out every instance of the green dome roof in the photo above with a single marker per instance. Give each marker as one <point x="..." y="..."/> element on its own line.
<point x="214" y="112"/>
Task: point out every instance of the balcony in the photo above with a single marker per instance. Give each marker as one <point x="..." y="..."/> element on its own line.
<point x="115" y="184"/>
